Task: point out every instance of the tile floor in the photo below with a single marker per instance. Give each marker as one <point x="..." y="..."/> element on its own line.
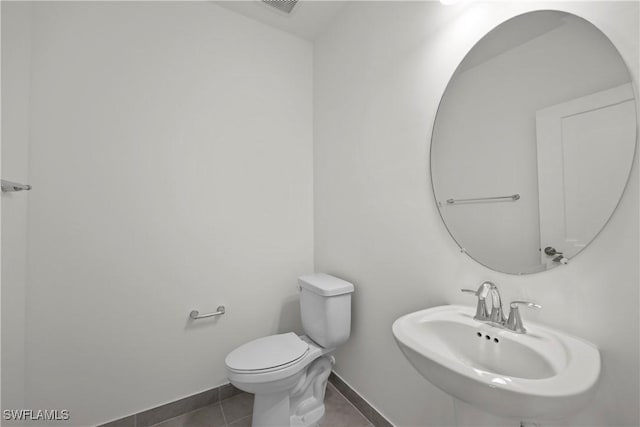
<point x="236" y="412"/>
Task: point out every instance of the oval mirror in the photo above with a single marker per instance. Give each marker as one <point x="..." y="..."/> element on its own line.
<point x="533" y="142"/>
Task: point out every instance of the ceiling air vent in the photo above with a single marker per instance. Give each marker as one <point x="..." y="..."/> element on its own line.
<point x="285" y="6"/>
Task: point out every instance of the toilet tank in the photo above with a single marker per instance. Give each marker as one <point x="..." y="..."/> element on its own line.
<point x="325" y="308"/>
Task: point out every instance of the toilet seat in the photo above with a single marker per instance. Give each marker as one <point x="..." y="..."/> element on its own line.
<point x="266" y="354"/>
<point x="278" y="373"/>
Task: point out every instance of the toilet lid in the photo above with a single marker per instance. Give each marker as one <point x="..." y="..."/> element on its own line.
<point x="268" y="352"/>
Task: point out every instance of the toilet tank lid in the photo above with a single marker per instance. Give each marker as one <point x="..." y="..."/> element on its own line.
<point x="325" y="285"/>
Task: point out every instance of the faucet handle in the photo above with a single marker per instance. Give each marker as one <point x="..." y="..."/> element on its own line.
<point x="481" y="308"/>
<point x="514" y="304"/>
<point x="514" y="322"/>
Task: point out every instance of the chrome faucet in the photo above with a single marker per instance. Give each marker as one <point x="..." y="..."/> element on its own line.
<point x="497" y="315"/>
<point x="513" y="323"/>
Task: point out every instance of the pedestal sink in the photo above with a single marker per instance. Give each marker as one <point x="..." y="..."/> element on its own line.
<point x="538" y="375"/>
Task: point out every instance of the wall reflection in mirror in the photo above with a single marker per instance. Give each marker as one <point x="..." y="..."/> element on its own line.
<point x="543" y="108"/>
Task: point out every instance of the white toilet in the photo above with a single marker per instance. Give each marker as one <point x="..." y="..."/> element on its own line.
<point x="288" y="373"/>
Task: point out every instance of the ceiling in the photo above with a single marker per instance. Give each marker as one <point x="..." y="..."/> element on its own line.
<point x="308" y="18"/>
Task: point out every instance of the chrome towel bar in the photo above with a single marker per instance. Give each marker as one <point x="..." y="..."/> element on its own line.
<point x="8" y="186"/>
<point x="195" y="314"/>
<point x="512" y="197"/>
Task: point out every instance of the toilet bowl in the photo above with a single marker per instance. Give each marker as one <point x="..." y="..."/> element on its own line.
<point x="292" y="391"/>
<point x="288" y="373"/>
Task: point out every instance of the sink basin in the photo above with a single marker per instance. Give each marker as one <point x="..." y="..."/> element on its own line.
<point x="543" y="374"/>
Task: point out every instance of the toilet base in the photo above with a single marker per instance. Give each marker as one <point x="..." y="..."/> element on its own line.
<point x="270" y="409"/>
<point x="311" y="419"/>
<point x="301" y="406"/>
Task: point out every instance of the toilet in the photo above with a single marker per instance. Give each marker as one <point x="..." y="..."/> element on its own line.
<point x="288" y="373"/>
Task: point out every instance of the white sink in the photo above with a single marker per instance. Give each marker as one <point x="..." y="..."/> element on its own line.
<point x="538" y="375"/>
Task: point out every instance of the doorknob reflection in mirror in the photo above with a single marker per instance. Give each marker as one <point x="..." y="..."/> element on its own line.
<point x="551" y="251"/>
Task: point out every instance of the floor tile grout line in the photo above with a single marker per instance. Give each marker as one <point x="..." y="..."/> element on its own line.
<point x="163" y="421"/>
<point x="188" y="412"/>
<point x="350" y="403"/>
<point x="237" y="418"/>
<point x="240" y="419"/>
<point x="224" y="417"/>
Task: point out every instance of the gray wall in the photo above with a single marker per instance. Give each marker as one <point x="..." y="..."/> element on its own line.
<point x="379" y="74"/>
<point x="16" y="59"/>
<point x="170" y="153"/>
